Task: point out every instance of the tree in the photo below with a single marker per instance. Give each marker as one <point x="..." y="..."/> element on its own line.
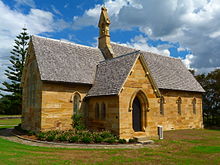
<point x="211" y="98"/>
<point x="11" y="103"/>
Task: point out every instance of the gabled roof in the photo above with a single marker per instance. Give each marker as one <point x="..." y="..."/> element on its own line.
<point x="168" y="72"/>
<point x="64" y="61"/>
<point x="68" y="62"/>
<point x="111" y="74"/>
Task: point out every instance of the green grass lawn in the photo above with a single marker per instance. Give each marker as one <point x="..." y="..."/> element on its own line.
<point x="10" y="115"/>
<point x="178" y="147"/>
<point x="10" y="121"/>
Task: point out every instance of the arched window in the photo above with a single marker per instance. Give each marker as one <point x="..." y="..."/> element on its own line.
<point x="76" y="103"/>
<point x="194" y="105"/>
<point x="162" y="102"/>
<point x="103" y="111"/>
<point x="97" y="111"/>
<point x="179" y="102"/>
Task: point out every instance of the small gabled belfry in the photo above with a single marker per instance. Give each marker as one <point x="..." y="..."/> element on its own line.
<point x="104" y="36"/>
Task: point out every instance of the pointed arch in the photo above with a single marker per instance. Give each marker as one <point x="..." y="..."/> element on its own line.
<point x="103" y="111"/>
<point x="144" y="105"/>
<point x="179" y="107"/>
<point x="97" y="111"/>
<point x="194" y="105"/>
<point x="162" y="102"/>
<point x="76" y="99"/>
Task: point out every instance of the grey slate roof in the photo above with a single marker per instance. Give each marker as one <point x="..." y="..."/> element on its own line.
<point x="168" y="72"/>
<point x="64" y="61"/>
<point x="111" y="74"/>
<point x="68" y="62"/>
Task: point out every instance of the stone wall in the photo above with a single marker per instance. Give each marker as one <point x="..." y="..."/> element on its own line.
<point x="111" y="121"/>
<point x="138" y="84"/>
<point x="49" y="106"/>
<point x="31" y="98"/>
<point x="187" y="119"/>
<point x="57" y="104"/>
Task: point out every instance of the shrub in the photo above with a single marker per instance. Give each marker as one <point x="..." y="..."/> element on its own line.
<point x="122" y="141"/>
<point x="110" y="140"/>
<point x="74" y="139"/>
<point x="31" y="133"/>
<point x="41" y="136"/>
<point x="98" y="139"/>
<point x="106" y="134"/>
<point x="62" y="137"/>
<point x="50" y="138"/>
<point x="86" y="139"/>
<point x="132" y="141"/>
<point x="83" y="136"/>
<point x="78" y="122"/>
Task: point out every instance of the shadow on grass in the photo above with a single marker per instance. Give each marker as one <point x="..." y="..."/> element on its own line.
<point x="6" y="132"/>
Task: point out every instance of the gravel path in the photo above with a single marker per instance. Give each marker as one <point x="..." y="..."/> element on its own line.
<point x="9" y="135"/>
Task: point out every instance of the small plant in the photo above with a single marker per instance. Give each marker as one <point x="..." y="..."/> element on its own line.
<point x="31" y="133"/>
<point x="106" y="134"/>
<point x="74" y="139"/>
<point x="98" y="139"/>
<point x="62" y="137"/>
<point x="50" y="138"/>
<point x="122" y="141"/>
<point x="41" y="136"/>
<point x="132" y="141"/>
<point x="86" y="139"/>
<point x="110" y="140"/>
<point x="78" y="122"/>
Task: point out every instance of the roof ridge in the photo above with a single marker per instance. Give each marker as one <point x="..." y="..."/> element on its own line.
<point x="127" y="54"/>
<point x="63" y="41"/>
<point x="176" y="58"/>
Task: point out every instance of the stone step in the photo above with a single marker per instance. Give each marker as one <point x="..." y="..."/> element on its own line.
<point x="146" y="142"/>
<point x="143" y="140"/>
<point x="139" y="134"/>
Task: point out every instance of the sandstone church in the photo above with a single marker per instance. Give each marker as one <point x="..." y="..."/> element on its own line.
<point x="114" y="87"/>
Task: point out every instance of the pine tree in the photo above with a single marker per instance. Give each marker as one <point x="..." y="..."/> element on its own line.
<point x="12" y="87"/>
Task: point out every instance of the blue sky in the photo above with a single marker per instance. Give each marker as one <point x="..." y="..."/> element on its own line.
<point x="188" y="29"/>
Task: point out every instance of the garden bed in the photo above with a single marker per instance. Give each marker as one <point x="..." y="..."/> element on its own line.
<point x="73" y="136"/>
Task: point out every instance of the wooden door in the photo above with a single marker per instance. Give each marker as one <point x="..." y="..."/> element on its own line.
<point x="136" y="115"/>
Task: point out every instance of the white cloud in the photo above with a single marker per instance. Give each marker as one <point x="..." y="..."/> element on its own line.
<point x="12" y="21"/>
<point x="91" y="16"/>
<point x="215" y="34"/>
<point x="193" y="23"/>
<point x="30" y="3"/>
<point x="188" y="60"/>
<point x="55" y="10"/>
<point x="140" y="42"/>
<point x="180" y="49"/>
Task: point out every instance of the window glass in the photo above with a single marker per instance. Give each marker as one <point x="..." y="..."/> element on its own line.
<point x="194" y="105"/>
<point x="103" y="111"/>
<point x="162" y="102"/>
<point x="76" y="102"/>
<point x="97" y="111"/>
<point x="179" y="102"/>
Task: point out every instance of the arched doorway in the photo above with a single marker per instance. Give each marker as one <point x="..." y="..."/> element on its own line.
<point x="136" y="115"/>
<point x="139" y="107"/>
